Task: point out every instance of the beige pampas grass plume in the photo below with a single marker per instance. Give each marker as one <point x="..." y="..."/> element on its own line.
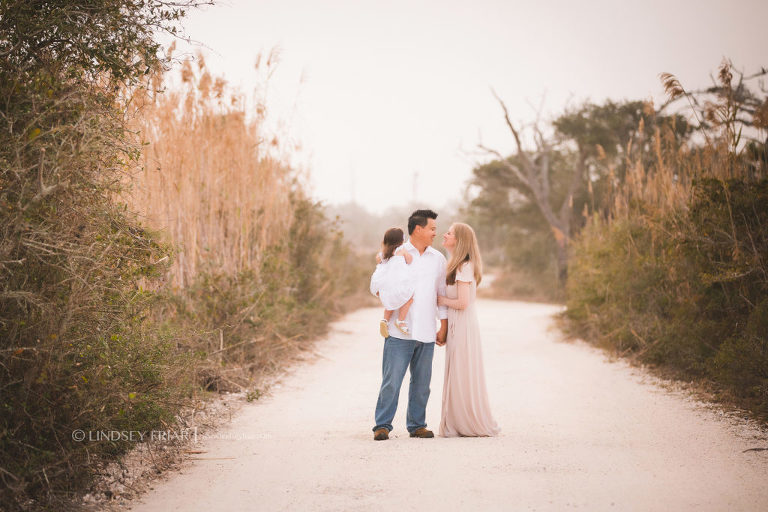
<point x="672" y="85"/>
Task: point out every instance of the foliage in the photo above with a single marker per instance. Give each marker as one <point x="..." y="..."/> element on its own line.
<point x="586" y="157"/>
<point x="93" y="336"/>
<point x="75" y="352"/>
<point x="733" y="111"/>
<point x="688" y="290"/>
<point x="255" y="319"/>
<point x="513" y="235"/>
<point x="86" y="40"/>
<point x="677" y="275"/>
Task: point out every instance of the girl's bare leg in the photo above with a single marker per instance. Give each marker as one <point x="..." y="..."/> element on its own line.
<point x="403" y="310"/>
<point x="387" y="314"/>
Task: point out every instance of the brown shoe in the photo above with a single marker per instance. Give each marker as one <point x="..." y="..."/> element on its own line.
<point x="422" y="433"/>
<point x="381" y="434"/>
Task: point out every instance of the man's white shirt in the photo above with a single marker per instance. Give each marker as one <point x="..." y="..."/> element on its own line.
<point x="429" y="273"/>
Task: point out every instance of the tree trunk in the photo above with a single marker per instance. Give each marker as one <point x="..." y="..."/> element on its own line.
<point x="562" y="263"/>
<point x="535" y="175"/>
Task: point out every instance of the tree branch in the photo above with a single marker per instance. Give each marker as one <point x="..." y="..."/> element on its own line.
<point x="515" y="170"/>
<point x="45" y="190"/>
<point x="526" y="159"/>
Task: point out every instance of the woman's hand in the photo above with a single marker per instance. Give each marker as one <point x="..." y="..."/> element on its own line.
<point x="440" y="300"/>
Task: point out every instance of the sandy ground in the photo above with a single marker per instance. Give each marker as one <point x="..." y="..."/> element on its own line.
<point x="578" y="431"/>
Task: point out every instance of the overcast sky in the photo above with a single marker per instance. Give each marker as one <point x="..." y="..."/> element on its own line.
<point x="389" y="99"/>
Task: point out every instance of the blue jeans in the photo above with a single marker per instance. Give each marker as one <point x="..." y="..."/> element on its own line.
<point x="399" y="355"/>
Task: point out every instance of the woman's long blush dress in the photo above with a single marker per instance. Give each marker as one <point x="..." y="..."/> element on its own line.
<point x="466" y="410"/>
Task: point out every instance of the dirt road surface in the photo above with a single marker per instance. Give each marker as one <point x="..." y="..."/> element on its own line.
<point x="578" y="432"/>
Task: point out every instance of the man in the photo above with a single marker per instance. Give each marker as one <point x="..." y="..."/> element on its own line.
<point x="415" y="350"/>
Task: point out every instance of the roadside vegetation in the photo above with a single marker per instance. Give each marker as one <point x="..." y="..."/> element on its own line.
<point x="675" y="275"/>
<point x="156" y="245"/>
<point x="650" y="223"/>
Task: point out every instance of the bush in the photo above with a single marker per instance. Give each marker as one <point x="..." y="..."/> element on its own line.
<point x="251" y="322"/>
<point x="93" y="333"/>
<point x="75" y="352"/>
<point x="676" y="275"/>
<point x="687" y="290"/>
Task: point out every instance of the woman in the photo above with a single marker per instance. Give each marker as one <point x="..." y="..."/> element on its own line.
<point x="466" y="411"/>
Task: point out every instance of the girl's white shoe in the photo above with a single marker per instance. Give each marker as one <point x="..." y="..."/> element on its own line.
<point x="402" y="327"/>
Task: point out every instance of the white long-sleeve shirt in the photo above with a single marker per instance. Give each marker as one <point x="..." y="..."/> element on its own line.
<point x="429" y="272"/>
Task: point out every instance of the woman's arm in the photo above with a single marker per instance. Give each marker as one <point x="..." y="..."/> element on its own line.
<point x="459" y="303"/>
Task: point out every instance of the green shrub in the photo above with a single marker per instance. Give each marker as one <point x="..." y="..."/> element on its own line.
<point x="687" y="289"/>
<point x="243" y="327"/>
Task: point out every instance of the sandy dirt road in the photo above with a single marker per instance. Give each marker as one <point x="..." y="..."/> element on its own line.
<point x="578" y="431"/>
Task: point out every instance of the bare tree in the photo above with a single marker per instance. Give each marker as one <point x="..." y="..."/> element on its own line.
<point x="532" y="168"/>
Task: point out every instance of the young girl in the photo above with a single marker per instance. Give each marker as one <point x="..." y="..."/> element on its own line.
<point x="394" y="280"/>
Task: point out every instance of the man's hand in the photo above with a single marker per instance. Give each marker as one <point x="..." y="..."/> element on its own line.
<point x="442" y="333"/>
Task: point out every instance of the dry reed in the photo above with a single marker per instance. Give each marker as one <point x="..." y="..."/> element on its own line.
<point x="665" y="184"/>
<point x="254" y="254"/>
<point x="210" y="176"/>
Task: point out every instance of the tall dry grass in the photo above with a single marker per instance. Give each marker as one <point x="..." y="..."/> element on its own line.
<point x="255" y="270"/>
<point x="666" y="183"/>
<point x="210" y="176"/>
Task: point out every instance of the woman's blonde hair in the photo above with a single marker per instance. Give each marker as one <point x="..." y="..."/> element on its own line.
<point x="466" y="249"/>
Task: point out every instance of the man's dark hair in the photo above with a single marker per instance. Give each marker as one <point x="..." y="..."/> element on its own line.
<point x="419" y="218"/>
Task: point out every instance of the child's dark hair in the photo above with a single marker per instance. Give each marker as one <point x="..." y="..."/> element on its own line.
<point x="393" y="238"/>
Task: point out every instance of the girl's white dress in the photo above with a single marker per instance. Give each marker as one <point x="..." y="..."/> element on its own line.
<point x="394" y="281"/>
